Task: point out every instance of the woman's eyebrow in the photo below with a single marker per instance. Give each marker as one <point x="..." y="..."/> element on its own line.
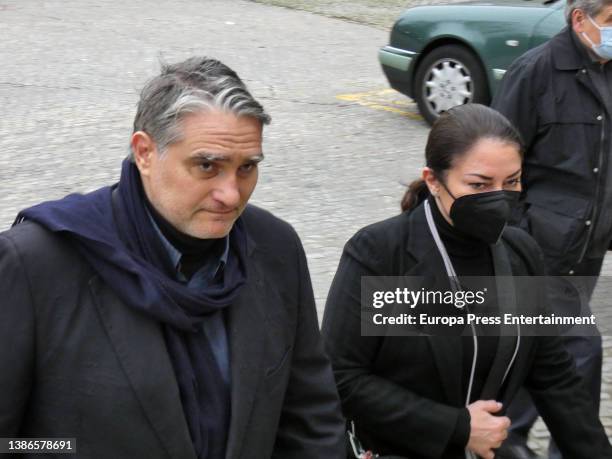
<point x="515" y="173"/>
<point x="484" y="177"/>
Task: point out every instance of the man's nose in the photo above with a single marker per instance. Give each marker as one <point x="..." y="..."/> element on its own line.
<point x="228" y="191"/>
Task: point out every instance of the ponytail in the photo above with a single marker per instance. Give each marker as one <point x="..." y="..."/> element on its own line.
<point x="416" y="193"/>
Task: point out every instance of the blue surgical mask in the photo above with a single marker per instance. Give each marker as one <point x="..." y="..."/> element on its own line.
<point x="604" y="49"/>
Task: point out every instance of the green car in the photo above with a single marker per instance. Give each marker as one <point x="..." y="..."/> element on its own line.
<point x="447" y="55"/>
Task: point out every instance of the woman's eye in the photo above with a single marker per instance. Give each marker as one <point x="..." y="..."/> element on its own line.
<point x="514" y="182"/>
<point x="477" y="186"/>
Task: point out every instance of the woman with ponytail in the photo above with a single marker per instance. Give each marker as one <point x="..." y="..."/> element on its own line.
<point x="444" y="395"/>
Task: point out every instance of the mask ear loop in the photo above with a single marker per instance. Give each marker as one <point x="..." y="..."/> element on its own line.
<point x="584" y="34"/>
<point x="593" y="22"/>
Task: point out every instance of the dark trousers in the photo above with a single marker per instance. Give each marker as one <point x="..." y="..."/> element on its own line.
<point x="569" y="295"/>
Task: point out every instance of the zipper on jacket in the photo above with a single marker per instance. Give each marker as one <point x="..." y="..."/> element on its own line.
<point x="594" y="214"/>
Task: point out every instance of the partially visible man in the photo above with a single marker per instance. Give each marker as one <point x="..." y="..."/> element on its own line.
<point x="559" y="95"/>
<point x="164" y="317"/>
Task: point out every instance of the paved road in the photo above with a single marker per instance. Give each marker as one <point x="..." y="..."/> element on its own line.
<point x="339" y="147"/>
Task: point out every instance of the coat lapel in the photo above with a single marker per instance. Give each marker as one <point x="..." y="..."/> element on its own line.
<point x="137" y="342"/>
<point x="503" y="358"/>
<point x="447" y="350"/>
<point x="245" y="321"/>
<point x="508" y="341"/>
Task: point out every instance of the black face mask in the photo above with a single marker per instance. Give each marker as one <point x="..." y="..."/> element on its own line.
<point x="483" y="215"/>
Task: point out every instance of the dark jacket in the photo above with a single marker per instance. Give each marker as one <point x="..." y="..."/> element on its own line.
<point x="404" y="393"/>
<point x="76" y="362"/>
<point x="548" y="95"/>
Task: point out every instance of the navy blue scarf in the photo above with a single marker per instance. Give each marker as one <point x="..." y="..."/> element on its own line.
<point x="120" y="243"/>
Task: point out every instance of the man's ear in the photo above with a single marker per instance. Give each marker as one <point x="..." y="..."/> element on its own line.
<point x="578" y="18"/>
<point x="143" y="149"/>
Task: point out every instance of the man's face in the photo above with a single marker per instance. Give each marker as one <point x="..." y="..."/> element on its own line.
<point x="202" y="183"/>
<point x="582" y="25"/>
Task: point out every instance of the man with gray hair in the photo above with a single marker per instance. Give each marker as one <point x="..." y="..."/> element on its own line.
<point x="164" y="316"/>
<point x="559" y="96"/>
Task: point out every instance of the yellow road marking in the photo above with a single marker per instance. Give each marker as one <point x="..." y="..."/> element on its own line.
<point x="382" y="99"/>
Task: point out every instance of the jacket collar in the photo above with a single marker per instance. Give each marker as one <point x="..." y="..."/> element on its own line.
<point x="251" y="246"/>
<point x="568" y="52"/>
<point x="419" y="242"/>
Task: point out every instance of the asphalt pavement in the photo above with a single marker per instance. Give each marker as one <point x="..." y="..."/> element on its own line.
<point x="339" y="148"/>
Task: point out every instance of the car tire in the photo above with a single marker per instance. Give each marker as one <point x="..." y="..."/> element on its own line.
<point x="459" y="79"/>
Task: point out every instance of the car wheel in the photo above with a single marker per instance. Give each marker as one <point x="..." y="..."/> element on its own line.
<point x="448" y="76"/>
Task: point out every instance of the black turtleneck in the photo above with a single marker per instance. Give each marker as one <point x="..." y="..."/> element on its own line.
<point x="470" y="257"/>
<point x="195" y="251"/>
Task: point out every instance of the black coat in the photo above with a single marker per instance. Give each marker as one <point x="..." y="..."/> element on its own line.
<point x="404" y="393"/>
<point x="76" y="362"/>
<point x="548" y="95"/>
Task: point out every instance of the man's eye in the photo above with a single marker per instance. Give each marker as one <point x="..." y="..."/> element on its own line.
<point x="248" y="167"/>
<point x="206" y="169"/>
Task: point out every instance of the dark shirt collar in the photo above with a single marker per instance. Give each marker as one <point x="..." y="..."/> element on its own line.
<point x="211" y="266"/>
<point x="184" y="243"/>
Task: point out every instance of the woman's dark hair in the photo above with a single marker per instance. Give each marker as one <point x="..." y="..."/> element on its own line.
<point x="453" y="134"/>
